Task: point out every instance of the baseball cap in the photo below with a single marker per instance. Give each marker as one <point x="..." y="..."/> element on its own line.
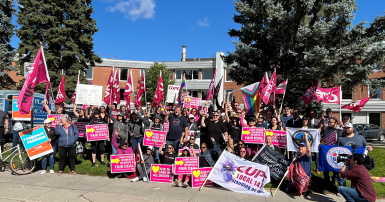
<point x="47" y="121"/>
<point x="302" y="144"/>
<point x="348" y="125"/>
<point x="191" y="116"/>
<point x="150" y="148"/>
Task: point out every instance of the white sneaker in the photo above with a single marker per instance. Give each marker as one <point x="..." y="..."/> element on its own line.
<point x="51" y="171"/>
<point x="43" y="172"/>
<point x="135" y="179"/>
<point x="144" y="179"/>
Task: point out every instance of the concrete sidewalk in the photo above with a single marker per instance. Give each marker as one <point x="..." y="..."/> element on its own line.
<point x="50" y="187"/>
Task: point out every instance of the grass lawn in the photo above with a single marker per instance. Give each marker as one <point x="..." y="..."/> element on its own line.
<point x="317" y="183"/>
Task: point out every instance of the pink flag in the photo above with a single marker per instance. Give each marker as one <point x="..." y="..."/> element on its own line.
<point x="159" y="93"/>
<point x="38" y="74"/>
<point x="73" y="98"/>
<point x="128" y="90"/>
<point x="141" y="90"/>
<point x="107" y="94"/>
<point x="217" y="88"/>
<point x="281" y="88"/>
<point x="357" y="105"/>
<point x="328" y="95"/>
<point x="46" y="96"/>
<point x="211" y="87"/>
<point x="61" y="94"/>
<point x="310" y="93"/>
<point x="116" y="88"/>
<point x="263" y="83"/>
<point x="269" y="88"/>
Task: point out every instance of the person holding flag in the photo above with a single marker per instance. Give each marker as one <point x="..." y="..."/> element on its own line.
<point x="144" y="167"/>
<point x="182" y="86"/>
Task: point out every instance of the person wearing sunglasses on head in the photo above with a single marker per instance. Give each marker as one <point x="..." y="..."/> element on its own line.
<point x="294" y="122"/>
<point x="168" y="156"/>
<point x="52" y="136"/>
<point x="216" y="129"/>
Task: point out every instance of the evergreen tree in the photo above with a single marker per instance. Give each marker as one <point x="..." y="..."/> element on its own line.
<point x="305" y="41"/>
<point x="152" y="78"/>
<point x="65" y="29"/>
<point x="6" y="51"/>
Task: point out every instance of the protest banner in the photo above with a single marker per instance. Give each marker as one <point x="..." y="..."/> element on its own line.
<point x="123" y="163"/>
<point x="81" y="127"/>
<point x="378" y="179"/>
<point x="97" y="132"/>
<point x="161" y="173"/>
<point x="171" y="93"/>
<point x="276" y="162"/>
<point x="55" y="119"/>
<point x="238" y="175"/>
<point x="298" y="177"/>
<point x="279" y="137"/>
<point x="166" y="126"/>
<point x="296" y="136"/>
<point x="253" y="135"/>
<point x="185" y="165"/>
<point x="16" y="114"/>
<point x="36" y="143"/>
<point x="89" y="94"/>
<point x="197" y="151"/>
<point x="192" y="102"/>
<point x="151" y="136"/>
<point x="39" y="115"/>
<point x="328" y="156"/>
<point x="199" y="175"/>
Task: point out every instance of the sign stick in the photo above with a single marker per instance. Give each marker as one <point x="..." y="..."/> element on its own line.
<point x="280" y="182"/>
<point x="280" y="109"/>
<point x="209" y="174"/>
<point x="144" y="164"/>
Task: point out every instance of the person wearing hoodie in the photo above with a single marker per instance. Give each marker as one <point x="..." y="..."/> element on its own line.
<point x="135" y="128"/>
<point x="144" y="167"/>
<point x="121" y="148"/>
<point x="68" y="135"/>
<point x="122" y="128"/>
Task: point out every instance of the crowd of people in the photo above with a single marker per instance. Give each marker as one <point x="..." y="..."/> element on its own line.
<point x="220" y="130"/>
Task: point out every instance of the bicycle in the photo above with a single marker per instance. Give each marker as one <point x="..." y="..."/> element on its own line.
<point x="19" y="162"/>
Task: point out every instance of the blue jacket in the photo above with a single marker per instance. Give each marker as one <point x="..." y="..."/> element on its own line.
<point x="208" y="153"/>
<point x="67" y="140"/>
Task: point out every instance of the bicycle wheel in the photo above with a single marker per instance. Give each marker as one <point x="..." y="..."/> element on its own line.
<point x="20" y="164"/>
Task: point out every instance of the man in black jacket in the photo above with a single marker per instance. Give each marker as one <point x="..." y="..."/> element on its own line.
<point x="269" y="142"/>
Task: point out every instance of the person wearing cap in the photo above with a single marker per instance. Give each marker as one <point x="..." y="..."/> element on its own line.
<point x="192" y="127"/>
<point x="144" y="168"/>
<point x="121" y="127"/>
<point x="157" y="125"/>
<point x="304" y="159"/>
<point x="52" y="136"/>
<point x="121" y="148"/>
<point x="215" y="129"/>
<point x="158" y="113"/>
<point x="351" y="140"/>
<point x="178" y="182"/>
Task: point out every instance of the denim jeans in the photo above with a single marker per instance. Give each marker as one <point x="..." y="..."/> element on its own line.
<point x="135" y="142"/>
<point x="351" y="195"/>
<point x="51" y="160"/>
<point x="15" y="138"/>
<point x="113" y="148"/>
<point x="176" y="144"/>
<point x="340" y="180"/>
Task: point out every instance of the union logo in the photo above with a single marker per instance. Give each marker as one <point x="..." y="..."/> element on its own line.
<point x="331" y="156"/>
<point x="299" y="137"/>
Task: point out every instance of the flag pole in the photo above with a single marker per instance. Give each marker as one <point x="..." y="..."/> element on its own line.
<point x="145" y="90"/>
<point x="280" y="109"/>
<point x="340" y="103"/>
<point x="280" y="182"/>
<point x="144" y="164"/>
<point x="210" y="173"/>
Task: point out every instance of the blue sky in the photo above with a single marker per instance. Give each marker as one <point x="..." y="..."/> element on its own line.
<point x="154" y="30"/>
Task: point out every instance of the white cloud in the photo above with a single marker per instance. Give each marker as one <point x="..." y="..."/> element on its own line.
<point x="134" y="9"/>
<point x="203" y="23"/>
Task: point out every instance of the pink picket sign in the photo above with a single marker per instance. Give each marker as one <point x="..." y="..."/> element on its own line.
<point x="185" y="165"/>
<point x="97" y="132"/>
<point x="54" y="119"/>
<point x="279" y="137"/>
<point x="192" y="102"/>
<point x="197" y="152"/>
<point x="199" y="175"/>
<point x="166" y="126"/>
<point x="81" y="127"/>
<point x="123" y="163"/>
<point x="253" y="135"/>
<point x="161" y="173"/>
<point x="378" y="179"/>
<point x="151" y="136"/>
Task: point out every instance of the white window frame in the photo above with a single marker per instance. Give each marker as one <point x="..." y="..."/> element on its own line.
<point x="202" y="74"/>
<point x="226" y="69"/>
<point x="120" y="71"/>
<point x="191" y="93"/>
<point x="85" y="73"/>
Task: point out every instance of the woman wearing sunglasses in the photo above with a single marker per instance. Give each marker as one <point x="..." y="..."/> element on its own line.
<point x="178" y="182"/>
<point x="243" y="153"/>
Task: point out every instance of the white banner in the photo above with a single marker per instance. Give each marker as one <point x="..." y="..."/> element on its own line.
<point x="239" y="175"/>
<point x="89" y="94"/>
<point x="295" y="136"/>
<point x="172" y="91"/>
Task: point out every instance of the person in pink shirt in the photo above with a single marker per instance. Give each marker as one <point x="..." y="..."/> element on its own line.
<point x="121" y="149"/>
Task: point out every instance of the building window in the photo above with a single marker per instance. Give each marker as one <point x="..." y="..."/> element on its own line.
<point x="191" y="74"/>
<point x="193" y="93"/>
<point x="123" y="74"/>
<point x="376" y="93"/>
<point x="122" y="94"/>
<point x="231" y="95"/>
<point x="375" y="118"/>
<point x="90" y="72"/>
<point x="178" y="74"/>
<point x="204" y="95"/>
<point x="347" y="95"/>
<point x="207" y="74"/>
<point x="228" y="79"/>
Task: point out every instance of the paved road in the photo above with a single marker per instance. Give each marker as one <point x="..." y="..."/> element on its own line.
<point x="376" y="143"/>
<point x="50" y="187"/>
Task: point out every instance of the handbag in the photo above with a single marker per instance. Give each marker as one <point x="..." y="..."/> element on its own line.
<point x="79" y="148"/>
<point x="121" y="134"/>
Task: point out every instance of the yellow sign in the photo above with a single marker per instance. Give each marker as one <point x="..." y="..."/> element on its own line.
<point x="91" y="130"/>
<point x="115" y="161"/>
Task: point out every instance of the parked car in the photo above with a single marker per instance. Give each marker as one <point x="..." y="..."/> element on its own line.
<point x="370" y="131"/>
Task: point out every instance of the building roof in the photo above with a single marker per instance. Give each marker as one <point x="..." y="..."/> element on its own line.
<point x="125" y="63"/>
